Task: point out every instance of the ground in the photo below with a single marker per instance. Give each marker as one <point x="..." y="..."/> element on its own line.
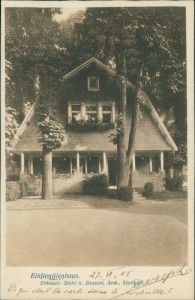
<point x="95" y="231"/>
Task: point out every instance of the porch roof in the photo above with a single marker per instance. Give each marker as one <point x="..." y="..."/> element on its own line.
<point x="148" y="138"/>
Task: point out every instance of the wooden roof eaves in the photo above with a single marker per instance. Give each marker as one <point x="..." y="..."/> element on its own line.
<point x="159" y="122"/>
<point x="24" y="124"/>
<point x="86" y="64"/>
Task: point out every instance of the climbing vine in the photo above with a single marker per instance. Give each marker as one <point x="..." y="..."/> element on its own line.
<point x="52" y="131"/>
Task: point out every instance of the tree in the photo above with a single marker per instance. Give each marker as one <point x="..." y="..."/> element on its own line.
<point x="52" y="137"/>
<point x="37" y="60"/>
<point x="11" y="127"/>
<point x="32" y="49"/>
<point x="141" y="42"/>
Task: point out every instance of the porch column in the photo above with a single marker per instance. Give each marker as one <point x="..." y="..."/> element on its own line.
<point x="162" y="161"/>
<point x="31" y="165"/>
<point x="150" y="163"/>
<point x="70" y="165"/>
<point x="83" y="114"/>
<point x="69" y="112"/>
<point x="22" y="163"/>
<point x="105" y="167"/>
<point x="134" y="168"/>
<point x="99" y="164"/>
<point x="78" y="161"/>
<point x="85" y="165"/>
<point x="113" y="112"/>
<point x="100" y="117"/>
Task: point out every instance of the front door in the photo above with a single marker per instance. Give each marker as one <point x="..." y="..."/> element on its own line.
<point x="112" y="171"/>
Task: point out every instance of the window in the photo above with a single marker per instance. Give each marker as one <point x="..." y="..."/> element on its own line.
<point x="93" y="83"/>
<point x="93" y="164"/>
<point x="106" y="113"/>
<point x="75" y="112"/>
<point x="61" y="165"/>
<point x="91" y="112"/>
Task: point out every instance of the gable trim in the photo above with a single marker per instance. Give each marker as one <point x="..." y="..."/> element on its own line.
<point x="24" y="124"/>
<point x="159" y="122"/>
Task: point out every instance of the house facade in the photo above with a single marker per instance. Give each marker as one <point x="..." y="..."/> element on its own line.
<point x="88" y="107"/>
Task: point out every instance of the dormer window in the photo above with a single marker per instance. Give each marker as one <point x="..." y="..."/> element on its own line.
<point x="75" y="112"/>
<point x="93" y="83"/>
<point x="106" y="113"/>
<point x="91" y="112"/>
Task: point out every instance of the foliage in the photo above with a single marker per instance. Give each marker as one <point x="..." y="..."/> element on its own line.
<point x="94" y="124"/>
<point x="148" y="189"/>
<point x="11" y="127"/>
<point x="120" y="126"/>
<point x="13" y="190"/>
<point x="96" y="185"/>
<point x="32" y="44"/>
<point x="52" y="131"/>
<point x="125" y="193"/>
<point x="12" y="169"/>
<point x="31" y="185"/>
<point x="174" y="183"/>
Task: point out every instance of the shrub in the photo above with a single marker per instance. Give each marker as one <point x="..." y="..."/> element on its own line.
<point x="13" y="190"/>
<point x="31" y="185"/>
<point x="12" y="170"/>
<point x="96" y="185"/>
<point x="125" y="193"/>
<point x="174" y="184"/>
<point x="148" y="189"/>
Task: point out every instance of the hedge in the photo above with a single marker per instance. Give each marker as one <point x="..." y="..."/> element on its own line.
<point x="13" y="190"/>
<point x="96" y="185"/>
<point x="125" y="193"/>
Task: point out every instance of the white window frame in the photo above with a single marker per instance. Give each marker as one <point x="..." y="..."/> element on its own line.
<point x="97" y="83"/>
<point x="90" y="112"/>
<point x="70" y="111"/>
<point x="105" y="112"/>
<point x="99" y="109"/>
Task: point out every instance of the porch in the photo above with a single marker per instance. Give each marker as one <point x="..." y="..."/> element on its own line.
<point x="146" y="166"/>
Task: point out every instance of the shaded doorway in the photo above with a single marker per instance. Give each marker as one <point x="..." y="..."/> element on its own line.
<point x="112" y="171"/>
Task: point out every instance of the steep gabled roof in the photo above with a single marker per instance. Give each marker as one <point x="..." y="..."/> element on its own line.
<point x="25" y="123"/>
<point x="149" y="105"/>
<point x="85" y="65"/>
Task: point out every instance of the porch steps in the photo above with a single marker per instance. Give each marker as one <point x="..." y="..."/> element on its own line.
<point x="138" y="198"/>
<point x="111" y="191"/>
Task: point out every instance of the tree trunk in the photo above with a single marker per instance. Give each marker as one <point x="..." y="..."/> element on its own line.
<point x="122" y="170"/>
<point x="132" y="133"/>
<point x="47" y="183"/>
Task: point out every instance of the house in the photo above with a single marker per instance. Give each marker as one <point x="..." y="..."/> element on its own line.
<point x="87" y="95"/>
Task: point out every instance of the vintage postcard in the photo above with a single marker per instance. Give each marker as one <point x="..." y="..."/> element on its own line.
<point x="97" y="147"/>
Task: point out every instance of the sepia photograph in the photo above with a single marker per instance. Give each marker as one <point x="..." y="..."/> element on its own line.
<point x="95" y="128"/>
